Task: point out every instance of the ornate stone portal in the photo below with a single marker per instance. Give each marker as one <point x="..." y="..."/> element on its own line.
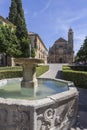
<point x="29" y="82"/>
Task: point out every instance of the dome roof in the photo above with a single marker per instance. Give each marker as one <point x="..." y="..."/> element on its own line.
<point x="70" y="30"/>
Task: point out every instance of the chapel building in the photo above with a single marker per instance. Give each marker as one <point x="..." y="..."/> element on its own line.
<point x="62" y="50"/>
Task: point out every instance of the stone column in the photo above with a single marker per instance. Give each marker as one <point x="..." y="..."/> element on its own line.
<point x="29" y="82"/>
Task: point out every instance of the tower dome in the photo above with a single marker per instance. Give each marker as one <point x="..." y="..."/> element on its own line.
<point x="70" y="30"/>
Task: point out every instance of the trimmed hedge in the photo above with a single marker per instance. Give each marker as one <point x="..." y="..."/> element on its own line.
<point x="10" y="74"/>
<point x="78" y="77"/>
<point x="79" y="67"/>
<point x="11" y="68"/>
<point x="16" y="72"/>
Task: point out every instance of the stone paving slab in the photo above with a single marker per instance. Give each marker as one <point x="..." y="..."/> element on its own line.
<point x="53" y="71"/>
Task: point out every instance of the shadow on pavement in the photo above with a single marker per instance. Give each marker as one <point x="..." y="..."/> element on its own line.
<point x="59" y="75"/>
<point x="83" y="120"/>
<point x="82" y="109"/>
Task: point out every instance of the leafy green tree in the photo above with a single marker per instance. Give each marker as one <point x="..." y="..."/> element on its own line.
<point x="2" y="42"/>
<point x="82" y="53"/>
<point x="32" y="52"/>
<point x="25" y="46"/>
<point x="9" y="42"/>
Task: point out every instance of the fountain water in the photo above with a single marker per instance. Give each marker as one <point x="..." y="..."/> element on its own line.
<point x="53" y="112"/>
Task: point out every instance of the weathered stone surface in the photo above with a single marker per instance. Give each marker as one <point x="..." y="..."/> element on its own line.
<point x="58" y="116"/>
<point x="13" y="118"/>
<point x="56" y="112"/>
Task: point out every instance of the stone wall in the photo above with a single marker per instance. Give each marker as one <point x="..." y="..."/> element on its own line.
<point x="58" y="116"/>
<point x="57" y="112"/>
<point x="14" y="117"/>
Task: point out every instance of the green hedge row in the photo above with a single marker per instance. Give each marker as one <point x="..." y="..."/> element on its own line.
<point x="11" y="68"/>
<point x="15" y="72"/>
<point x="78" y="77"/>
<point x="10" y="74"/>
<point x="79" y="67"/>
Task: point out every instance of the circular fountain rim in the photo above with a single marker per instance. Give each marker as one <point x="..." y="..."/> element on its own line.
<point x="28" y="60"/>
<point x="53" y="98"/>
<point x="69" y="83"/>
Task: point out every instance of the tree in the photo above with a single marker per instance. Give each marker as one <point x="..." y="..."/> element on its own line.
<point x="16" y="16"/>
<point x="32" y="52"/>
<point x="82" y="53"/>
<point x="20" y="21"/>
<point x="25" y="46"/>
<point x="13" y="12"/>
<point x="9" y="42"/>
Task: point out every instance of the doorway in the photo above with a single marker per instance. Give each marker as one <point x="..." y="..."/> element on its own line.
<point x="60" y="60"/>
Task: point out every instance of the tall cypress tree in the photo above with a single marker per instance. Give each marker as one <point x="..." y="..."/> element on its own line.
<point x="20" y="21"/>
<point x="16" y="16"/>
<point x="13" y="12"/>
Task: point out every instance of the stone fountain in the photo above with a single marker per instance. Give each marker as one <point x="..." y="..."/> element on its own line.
<point x="55" y="112"/>
<point x="29" y="82"/>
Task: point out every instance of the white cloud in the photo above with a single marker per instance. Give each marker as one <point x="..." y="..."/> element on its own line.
<point x="76" y="15"/>
<point x="71" y="19"/>
<point x="25" y="12"/>
<point x="47" y="5"/>
<point x="34" y="14"/>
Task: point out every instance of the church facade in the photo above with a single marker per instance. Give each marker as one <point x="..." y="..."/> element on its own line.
<point x="62" y="50"/>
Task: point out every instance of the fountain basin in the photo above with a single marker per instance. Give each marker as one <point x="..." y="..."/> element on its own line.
<point x="54" y="112"/>
<point x="11" y="88"/>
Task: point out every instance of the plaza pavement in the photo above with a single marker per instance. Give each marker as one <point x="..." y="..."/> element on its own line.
<point x="55" y="71"/>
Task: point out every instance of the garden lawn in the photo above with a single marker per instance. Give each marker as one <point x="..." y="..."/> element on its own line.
<point x="14" y="72"/>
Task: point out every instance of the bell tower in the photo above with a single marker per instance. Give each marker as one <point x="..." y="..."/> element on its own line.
<point x="70" y="38"/>
<point x="70" y="46"/>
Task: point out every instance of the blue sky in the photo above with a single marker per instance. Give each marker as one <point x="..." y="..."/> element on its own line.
<point x="51" y="19"/>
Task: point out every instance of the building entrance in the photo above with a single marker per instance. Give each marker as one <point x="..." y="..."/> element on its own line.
<point x="60" y="60"/>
